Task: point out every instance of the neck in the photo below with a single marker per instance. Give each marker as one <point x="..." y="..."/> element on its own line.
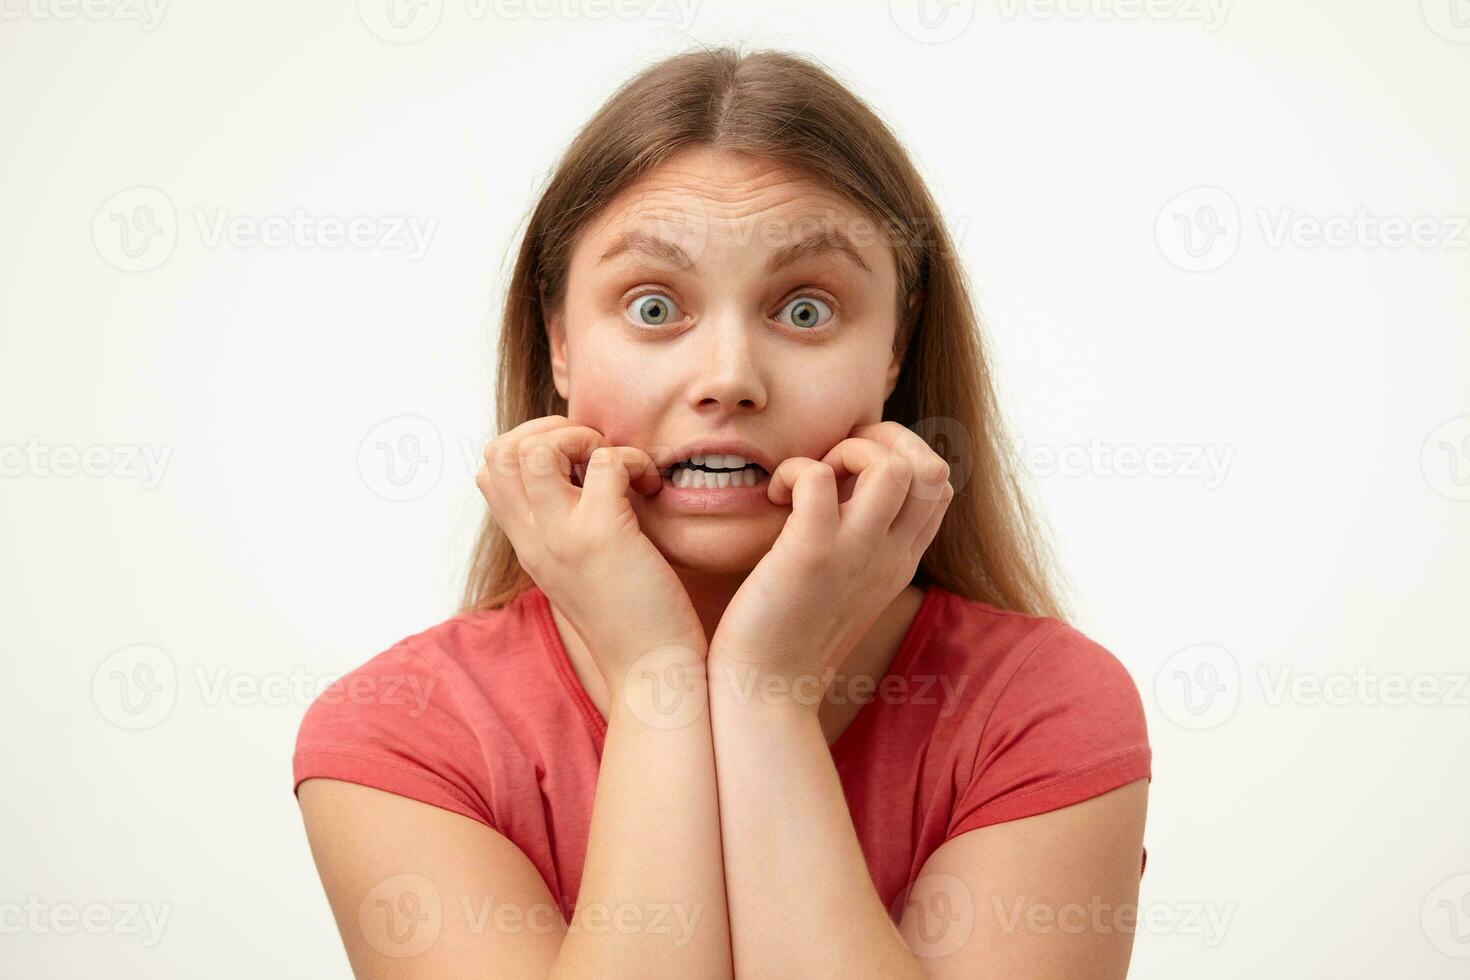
<point x="710" y="593"/>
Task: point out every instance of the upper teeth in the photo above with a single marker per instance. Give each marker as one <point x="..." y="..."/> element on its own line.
<point x="719" y="461"/>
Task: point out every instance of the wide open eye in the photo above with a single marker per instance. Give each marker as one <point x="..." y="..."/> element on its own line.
<point x="807" y="312"/>
<point x="653" y="310"/>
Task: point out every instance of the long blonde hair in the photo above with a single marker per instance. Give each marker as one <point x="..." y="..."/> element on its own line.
<point x="786" y="108"/>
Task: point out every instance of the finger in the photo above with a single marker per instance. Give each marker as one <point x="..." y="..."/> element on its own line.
<point x="931" y="470"/>
<point x="499" y="478"/>
<point x="925" y="536"/>
<point x="509" y="440"/>
<point x="611" y="472"/>
<point x="916" y="513"/>
<point x="882" y="487"/>
<point x="783" y="479"/>
<point x="500" y="506"/>
<point x="546" y="467"/>
<point x="812" y="491"/>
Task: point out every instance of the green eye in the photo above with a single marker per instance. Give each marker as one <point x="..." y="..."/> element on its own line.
<point x="807" y="312"/>
<point x="653" y="310"/>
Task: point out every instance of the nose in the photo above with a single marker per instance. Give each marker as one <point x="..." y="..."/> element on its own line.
<point x="726" y="366"/>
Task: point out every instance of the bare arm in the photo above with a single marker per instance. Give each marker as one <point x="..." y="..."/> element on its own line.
<point x="1051" y="895"/>
<point x="420" y="892"/>
<point x="803" y="904"/>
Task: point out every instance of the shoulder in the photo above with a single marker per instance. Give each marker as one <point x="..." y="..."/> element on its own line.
<point x="421" y="718"/>
<point x="1017" y="661"/>
<point x="1055" y="717"/>
<point x="427" y="673"/>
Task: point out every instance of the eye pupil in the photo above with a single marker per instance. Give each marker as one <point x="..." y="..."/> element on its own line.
<point x="660" y="310"/>
<point x="806" y="313"/>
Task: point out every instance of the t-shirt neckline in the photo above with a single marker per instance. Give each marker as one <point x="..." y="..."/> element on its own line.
<point x="913" y="640"/>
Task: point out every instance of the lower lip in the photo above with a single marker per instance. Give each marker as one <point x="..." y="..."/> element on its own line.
<point x="714" y="500"/>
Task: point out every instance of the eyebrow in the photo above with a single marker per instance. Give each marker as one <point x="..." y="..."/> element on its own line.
<point x="828" y="241"/>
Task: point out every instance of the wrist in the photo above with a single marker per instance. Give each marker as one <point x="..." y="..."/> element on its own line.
<point x="665" y="687"/>
<point x="786" y="687"/>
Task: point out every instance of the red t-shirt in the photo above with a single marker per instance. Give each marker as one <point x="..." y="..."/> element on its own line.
<point x="483" y="715"/>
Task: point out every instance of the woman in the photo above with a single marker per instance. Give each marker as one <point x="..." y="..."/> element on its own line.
<point x="750" y="679"/>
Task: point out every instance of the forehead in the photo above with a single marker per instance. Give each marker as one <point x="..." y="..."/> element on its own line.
<point x="703" y="199"/>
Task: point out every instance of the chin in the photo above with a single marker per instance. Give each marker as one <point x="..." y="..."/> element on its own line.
<point x="714" y="550"/>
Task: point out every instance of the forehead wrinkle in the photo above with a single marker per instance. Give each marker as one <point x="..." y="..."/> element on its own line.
<point x="731" y="198"/>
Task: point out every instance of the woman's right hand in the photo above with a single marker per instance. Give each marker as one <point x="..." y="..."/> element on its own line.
<point x="582" y="545"/>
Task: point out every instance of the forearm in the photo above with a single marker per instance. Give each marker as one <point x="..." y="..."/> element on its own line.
<point x="801" y="900"/>
<point x="653" y="849"/>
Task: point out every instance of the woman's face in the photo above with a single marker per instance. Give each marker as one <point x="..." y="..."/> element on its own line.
<point x="786" y="349"/>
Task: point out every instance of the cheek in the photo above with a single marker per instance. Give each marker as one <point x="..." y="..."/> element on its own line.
<point x="615" y="392"/>
<point x="825" y="404"/>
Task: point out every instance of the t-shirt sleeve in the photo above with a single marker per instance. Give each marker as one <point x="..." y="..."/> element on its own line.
<point x="1067" y="726"/>
<point x="395" y="725"/>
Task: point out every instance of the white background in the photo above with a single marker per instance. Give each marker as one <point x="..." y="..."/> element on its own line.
<point x="1290" y="833"/>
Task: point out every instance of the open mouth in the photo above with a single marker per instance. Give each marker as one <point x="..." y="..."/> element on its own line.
<point x="715" y="472"/>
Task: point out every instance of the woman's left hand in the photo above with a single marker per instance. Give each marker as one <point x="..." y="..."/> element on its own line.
<point x="835" y="567"/>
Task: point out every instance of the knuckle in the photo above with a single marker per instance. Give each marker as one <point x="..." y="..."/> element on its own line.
<point x="533" y="453"/>
<point x="507" y="460"/>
